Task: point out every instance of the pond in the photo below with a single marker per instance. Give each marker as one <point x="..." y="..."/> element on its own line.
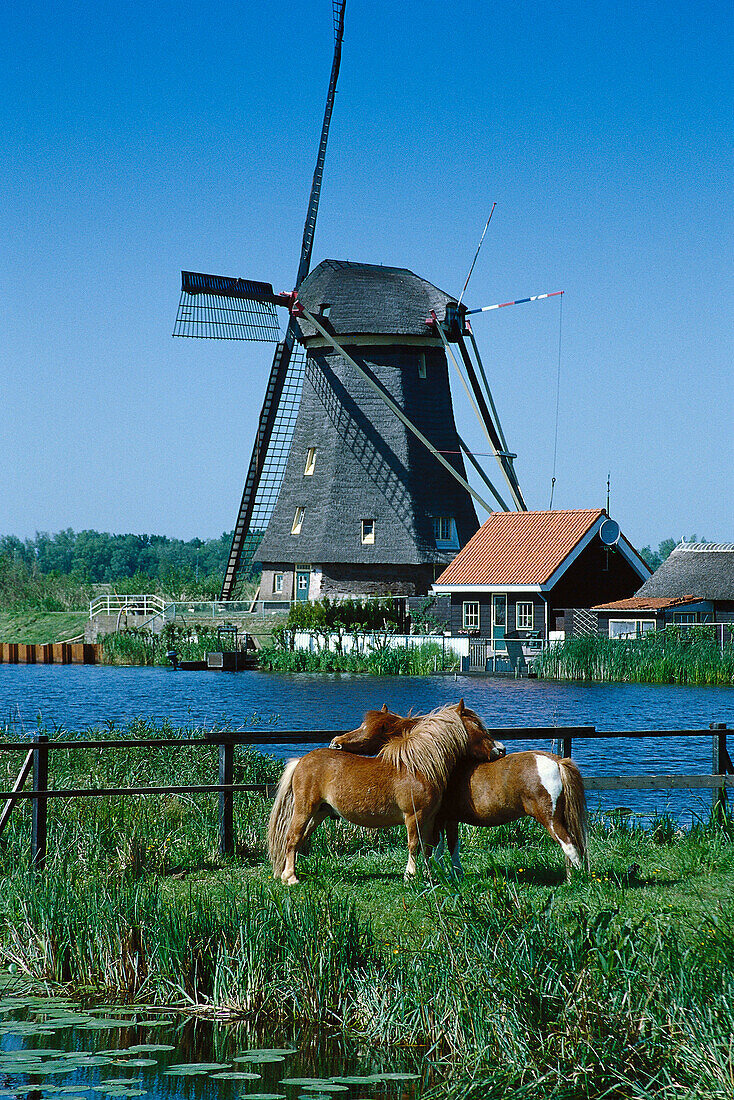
<point x="75" y="698"/>
<point x="53" y="1049"/>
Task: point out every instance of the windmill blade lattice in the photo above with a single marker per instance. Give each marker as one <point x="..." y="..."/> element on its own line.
<point x="268" y="461"/>
<point x="217" y="307"/>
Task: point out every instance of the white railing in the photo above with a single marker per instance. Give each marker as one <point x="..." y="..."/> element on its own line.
<point x="113" y="604"/>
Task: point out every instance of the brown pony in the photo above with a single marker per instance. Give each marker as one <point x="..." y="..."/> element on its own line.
<point x="404" y="782"/>
<point x="523" y="784"/>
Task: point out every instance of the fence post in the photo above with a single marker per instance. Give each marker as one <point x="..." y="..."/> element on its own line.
<point x="566" y="739"/>
<point x="226" y="799"/>
<point x="39" y="830"/>
<point x="719" y="761"/>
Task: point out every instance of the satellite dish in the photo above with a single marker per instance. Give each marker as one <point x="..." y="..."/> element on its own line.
<point x="609" y="532"/>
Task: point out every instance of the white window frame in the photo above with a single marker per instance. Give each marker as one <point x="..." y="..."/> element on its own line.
<point x="310" y="462"/>
<point x="471" y="619"/>
<point x="639" y="627"/>
<point x="368" y="533"/>
<point x="298" y="520"/>
<point x="277" y="583"/>
<point x="523" y="619"/>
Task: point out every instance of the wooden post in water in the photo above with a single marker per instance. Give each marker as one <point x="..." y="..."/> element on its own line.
<point x="566" y="745"/>
<point x="719" y="762"/>
<point x="226" y="799"/>
<point x="39" y="821"/>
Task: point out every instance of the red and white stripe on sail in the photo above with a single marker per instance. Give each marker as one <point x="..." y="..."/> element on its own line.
<point x="517" y="302"/>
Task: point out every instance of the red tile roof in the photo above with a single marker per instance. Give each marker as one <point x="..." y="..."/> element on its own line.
<point x="520" y="547"/>
<point x="646" y="603"/>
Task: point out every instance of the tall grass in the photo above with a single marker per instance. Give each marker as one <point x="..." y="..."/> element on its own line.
<point x="657" y="657"/>
<point x="140" y="646"/>
<point x="411" y="660"/>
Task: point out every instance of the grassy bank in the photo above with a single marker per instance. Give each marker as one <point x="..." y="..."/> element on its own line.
<point x="414" y="660"/>
<point x="619" y="984"/>
<point x="40" y="627"/>
<point x="665" y="657"/>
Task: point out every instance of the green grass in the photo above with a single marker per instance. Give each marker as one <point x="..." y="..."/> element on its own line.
<point x="659" y="657"/>
<point x="414" y="660"/>
<point x="511" y="982"/>
<point x="40" y="627"/>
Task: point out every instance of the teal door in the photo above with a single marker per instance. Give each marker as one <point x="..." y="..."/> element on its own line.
<point x="303" y="578"/>
<point x="499" y="621"/>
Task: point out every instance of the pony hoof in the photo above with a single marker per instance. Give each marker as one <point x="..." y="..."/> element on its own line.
<point x="291" y="880"/>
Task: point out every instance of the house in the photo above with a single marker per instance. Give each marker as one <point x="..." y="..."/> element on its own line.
<point x="514" y="579"/>
<point x="694" y="585"/>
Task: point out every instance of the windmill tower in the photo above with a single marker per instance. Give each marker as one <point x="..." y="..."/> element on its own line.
<point x="356" y="483"/>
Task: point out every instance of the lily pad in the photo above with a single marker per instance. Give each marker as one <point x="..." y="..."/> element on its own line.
<point x="259" y="1059"/>
<point x="191" y="1069"/>
<point x="280" y="1051"/>
<point x="266" y="1096"/>
<point x="141" y="1062"/>
<point x="236" y="1075"/>
<point x="143" y="1047"/>
<point x="303" y="1081"/>
<point x="327" y="1086"/>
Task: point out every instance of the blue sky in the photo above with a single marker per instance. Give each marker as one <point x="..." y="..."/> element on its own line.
<point x="143" y="139"/>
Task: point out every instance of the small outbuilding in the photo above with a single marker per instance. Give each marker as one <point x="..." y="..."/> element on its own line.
<point x="694" y="585"/>
<point x="510" y="585"/>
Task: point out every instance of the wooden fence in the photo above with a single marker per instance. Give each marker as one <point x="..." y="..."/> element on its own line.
<point x="39" y="751"/>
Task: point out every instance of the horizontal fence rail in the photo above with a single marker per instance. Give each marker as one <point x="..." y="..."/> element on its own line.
<point x="39" y="750"/>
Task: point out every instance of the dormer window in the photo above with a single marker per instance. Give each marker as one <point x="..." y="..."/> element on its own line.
<point x="368" y="532"/>
<point x="310" y="462"/>
<point x="298" y="521"/>
<point x="444" y="532"/>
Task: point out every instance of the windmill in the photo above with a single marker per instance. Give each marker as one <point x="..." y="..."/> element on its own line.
<point x="356" y="482"/>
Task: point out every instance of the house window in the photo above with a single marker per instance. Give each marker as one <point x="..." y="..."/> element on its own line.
<point x="630" y="628"/>
<point x="682" y="617"/>
<point x="470" y="615"/>
<point x="277" y="582"/>
<point x="310" y="462"/>
<point x="422" y="365"/>
<point x="368" y="531"/>
<point x="524" y="616"/>
<point x="298" y="521"/>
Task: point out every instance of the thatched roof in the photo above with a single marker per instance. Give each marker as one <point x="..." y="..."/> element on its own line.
<point x="371" y="299"/>
<point x="702" y="568"/>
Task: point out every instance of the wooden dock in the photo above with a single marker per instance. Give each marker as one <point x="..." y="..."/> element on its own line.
<point x="51" y="653"/>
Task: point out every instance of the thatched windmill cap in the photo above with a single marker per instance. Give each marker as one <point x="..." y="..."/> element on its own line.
<point x="371" y="299"/>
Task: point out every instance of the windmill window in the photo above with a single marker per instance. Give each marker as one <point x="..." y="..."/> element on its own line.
<point x="422" y="365"/>
<point x="368" y="531"/>
<point x="470" y="615"/>
<point x="310" y="462"/>
<point x="524" y="616"/>
<point x="298" y="521"/>
<point x="444" y="532"/>
<point x="277" y="582"/>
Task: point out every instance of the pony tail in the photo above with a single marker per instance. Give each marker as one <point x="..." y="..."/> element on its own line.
<point x="576" y="815"/>
<point x="280" y="819"/>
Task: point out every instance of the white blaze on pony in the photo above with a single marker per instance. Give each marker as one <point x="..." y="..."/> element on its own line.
<point x="404" y="782"/>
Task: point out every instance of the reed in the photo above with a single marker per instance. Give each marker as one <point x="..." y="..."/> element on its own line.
<point x="664" y="657"/>
<point x="411" y="660"/>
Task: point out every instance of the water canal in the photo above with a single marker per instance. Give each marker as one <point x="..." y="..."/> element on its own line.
<point x="76" y="698"/>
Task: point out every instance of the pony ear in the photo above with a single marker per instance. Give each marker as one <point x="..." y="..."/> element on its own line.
<point x="460" y="707"/>
<point x="384" y="708"/>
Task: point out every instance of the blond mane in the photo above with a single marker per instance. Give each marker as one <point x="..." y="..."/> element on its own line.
<point x="433" y="746"/>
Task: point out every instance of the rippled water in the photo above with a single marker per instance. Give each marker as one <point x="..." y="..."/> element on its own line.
<point x="79" y="697"/>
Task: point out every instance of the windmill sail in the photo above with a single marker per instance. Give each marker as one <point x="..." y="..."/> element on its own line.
<point x="216" y="307"/>
<point x="268" y="461"/>
<point x="283" y="393"/>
